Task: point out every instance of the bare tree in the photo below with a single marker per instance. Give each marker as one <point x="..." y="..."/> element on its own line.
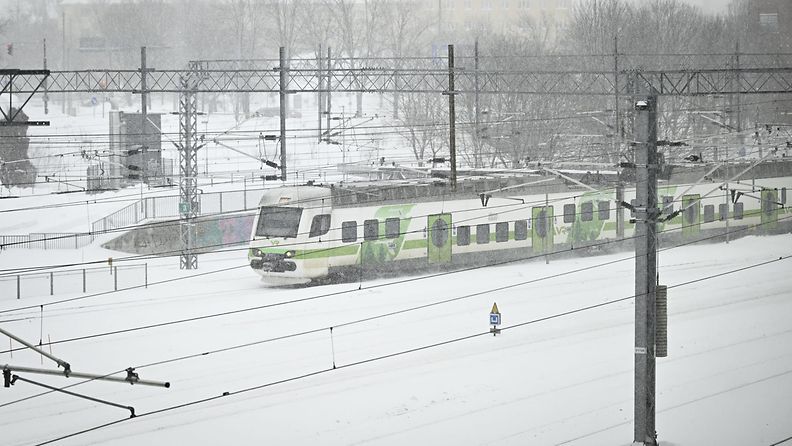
<point x="404" y="27"/>
<point x="594" y="24"/>
<point x="420" y="118"/>
<point x="283" y="19"/>
<point x="357" y="25"/>
<point x="129" y="25"/>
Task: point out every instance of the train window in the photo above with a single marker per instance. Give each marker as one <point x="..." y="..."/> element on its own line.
<point x="276" y="221"/>
<point x="769" y="202"/>
<point x="692" y="212"/>
<point x="349" y="231"/>
<point x="392" y="229"/>
<point x="738" y="211"/>
<point x="783" y="195"/>
<point x="541" y="224"/>
<point x="320" y="225"/>
<point x="370" y="229"/>
<point x="502" y="232"/>
<point x="463" y="235"/>
<point x="521" y="229"/>
<point x="603" y="210"/>
<point x="723" y="211"/>
<point x="668" y="204"/>
<point x="587" y="211"/>
<point x="709" y="213"/>
<point x="569" y="213"/>
<point x="482" y="234"/>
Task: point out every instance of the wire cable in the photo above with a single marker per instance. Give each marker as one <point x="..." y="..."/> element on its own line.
<point x="410" y="350"/>
<point x="337" y="293"/>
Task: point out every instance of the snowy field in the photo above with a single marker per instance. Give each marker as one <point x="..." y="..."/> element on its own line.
<point x="430" y="375"/>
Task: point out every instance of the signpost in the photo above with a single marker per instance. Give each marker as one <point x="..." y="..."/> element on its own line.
<point x="494" y="319"/>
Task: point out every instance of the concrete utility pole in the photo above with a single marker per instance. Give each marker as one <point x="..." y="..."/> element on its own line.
<point x="738" y="105"/>
<point x="451" y="115"/>
<point x="282" y="94"/>
<point x="46" y="83"/>
<point x="616" y="119"/>
<point x="329" y="97"/>
<point x="63" y="54"/>
<point x="319" y="98"/>
<point x="646" y="214"/>
<point x="477" y="128"/>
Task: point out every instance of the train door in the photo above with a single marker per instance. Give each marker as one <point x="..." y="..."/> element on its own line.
<point x="769" y="208"/>
<point x="691" y="217"/>
<point x="439" y="238"/>
<point x="317" y="254"/>
<point x="542" y="229"/>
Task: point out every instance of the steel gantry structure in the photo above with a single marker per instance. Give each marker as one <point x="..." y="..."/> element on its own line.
<point x="607" y="75"/>
<point x="598" y="75"/>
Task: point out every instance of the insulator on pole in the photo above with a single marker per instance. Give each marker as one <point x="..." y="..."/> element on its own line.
<point x="661" y="317"/>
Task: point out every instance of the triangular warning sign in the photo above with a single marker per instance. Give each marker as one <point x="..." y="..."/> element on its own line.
<point x="494" y="308"/>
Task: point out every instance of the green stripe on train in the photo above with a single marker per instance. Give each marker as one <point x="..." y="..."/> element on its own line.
<point x="345" y="250"/>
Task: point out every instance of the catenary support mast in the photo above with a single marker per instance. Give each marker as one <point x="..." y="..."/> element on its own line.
<point x="188" y="171"/>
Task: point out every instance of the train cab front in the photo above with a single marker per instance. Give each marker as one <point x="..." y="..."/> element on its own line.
<point x="272" y="262"/>
<point x="276" y="241"/>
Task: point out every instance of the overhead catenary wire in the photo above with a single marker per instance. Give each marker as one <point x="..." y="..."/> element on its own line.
<point x="583" y="114"/>
<point x="337" y="293"/>
<point x="404" y="352"/>
<point x="215" y="216"/>
<point x="175" y="252"/>
<point x="224" y="245"/>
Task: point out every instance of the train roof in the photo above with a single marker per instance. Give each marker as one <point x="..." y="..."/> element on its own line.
<point x="376" y="192"/>
<point x="573" y="179"/>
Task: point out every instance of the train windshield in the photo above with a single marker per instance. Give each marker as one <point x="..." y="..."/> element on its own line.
<point x="275" y="221"/>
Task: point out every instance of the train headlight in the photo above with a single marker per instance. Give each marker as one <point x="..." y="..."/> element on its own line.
<point x="289" y="254"/>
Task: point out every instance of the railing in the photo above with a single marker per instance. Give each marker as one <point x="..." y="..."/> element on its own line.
<point x="133" y="214"/>
<point x="83" y="280"/>
<point x="46" y="240"/>
<point x="168" y="207"/>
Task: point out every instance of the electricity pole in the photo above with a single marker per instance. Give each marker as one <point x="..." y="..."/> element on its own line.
<point x="46" y="89"/>
<point x="143" y="111"/>
<point x="646" y="214"/>
<point x="477" y="128"/>
<point x="319" y="98"/>
<point x="451" y="115"/>
<point x="282" y="95"/>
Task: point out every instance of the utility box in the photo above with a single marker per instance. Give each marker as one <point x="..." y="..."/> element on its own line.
<point x="135" y="148"/>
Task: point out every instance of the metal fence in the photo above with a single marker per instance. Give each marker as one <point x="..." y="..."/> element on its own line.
<point x="133" y="214"/>
<point x="46" y="240"/>
<point x="168" y="207"/>
<point x="84" y="280"/>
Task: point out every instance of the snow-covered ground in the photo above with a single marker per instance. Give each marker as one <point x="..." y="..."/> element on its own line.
<point x="565" y="380"/>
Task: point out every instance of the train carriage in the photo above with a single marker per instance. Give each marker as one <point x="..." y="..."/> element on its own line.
<point x="304" y="233"/>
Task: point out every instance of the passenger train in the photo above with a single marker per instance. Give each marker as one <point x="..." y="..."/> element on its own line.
<point x="315" y="232"/>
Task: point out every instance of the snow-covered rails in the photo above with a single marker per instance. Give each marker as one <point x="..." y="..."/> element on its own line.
<point x="304" y="233"/>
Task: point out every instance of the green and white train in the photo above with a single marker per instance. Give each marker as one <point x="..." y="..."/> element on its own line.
<point x="305" y="233"/>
